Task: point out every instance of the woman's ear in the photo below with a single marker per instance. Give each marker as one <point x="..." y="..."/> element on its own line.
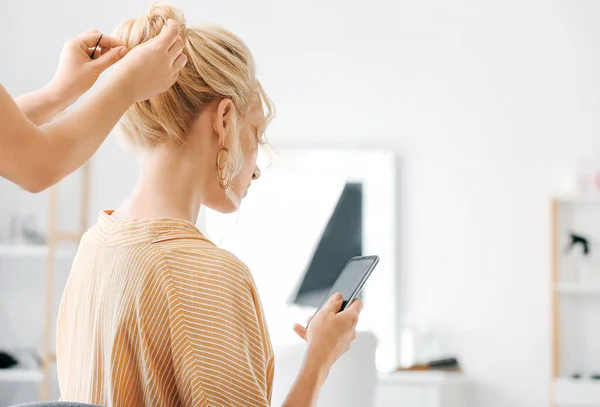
<point x="223" y="120"/>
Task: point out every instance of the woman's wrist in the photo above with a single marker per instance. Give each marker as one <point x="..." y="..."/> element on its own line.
<point x="55" y="97"/>
<point x="317" y="363"/>
<point x="119" y="83"/>
<point x="309" y="382"/>
<point x="42" y="105"/>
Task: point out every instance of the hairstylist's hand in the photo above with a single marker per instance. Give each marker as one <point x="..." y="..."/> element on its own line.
<point x="152" y="67"/>
<point x="330" y="333"/>
<point x="77" y="72"/>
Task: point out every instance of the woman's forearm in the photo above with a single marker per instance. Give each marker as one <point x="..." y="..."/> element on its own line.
<point x="308" y="384"/>
<point x="42" y="105"/>
<point x="73" y="138"/>
<point x="36" y="158"/>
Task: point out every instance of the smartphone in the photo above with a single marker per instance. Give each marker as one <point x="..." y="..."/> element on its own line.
<point x="352" y="279"/>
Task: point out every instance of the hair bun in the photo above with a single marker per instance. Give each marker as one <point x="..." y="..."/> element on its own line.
<point x="136" y="31"/>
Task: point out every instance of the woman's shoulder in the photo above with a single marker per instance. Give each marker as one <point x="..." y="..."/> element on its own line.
<point x="201" y="256"/>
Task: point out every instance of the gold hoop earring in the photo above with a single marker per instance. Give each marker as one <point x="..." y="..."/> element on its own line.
<point x="222" y="164"/>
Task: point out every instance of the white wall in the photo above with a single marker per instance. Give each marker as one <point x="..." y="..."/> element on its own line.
<point x="489" y="104"/>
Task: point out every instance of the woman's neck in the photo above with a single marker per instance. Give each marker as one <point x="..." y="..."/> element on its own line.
<point x="169" y="186"/>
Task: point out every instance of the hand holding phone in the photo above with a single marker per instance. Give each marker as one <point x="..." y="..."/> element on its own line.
<point x="331" y="331"/>
<point x="352" y="279"/>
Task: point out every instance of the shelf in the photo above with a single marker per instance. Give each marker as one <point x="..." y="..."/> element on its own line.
<point x="35" y="251"/>
<point x="21" y="375"/>
<point x="578" y="199"/>
<point x="577" y="288"/>
<point x="577" y="392"/>
<point x="27" y="371"/>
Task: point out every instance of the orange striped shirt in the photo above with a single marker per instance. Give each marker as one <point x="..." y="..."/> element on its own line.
<point x="154" y="314"/>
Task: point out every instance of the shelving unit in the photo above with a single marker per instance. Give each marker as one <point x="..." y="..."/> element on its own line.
<point x="55" y="236"/>
<point x="28" y="370"/>
<point x="575" y="304"/>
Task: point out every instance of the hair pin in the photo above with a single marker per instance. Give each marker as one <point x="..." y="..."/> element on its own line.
<point x="92" y="55"/>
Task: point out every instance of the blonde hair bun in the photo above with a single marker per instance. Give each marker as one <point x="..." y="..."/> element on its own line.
<point x="219" y="66"/>
<point x="136" y="31"/>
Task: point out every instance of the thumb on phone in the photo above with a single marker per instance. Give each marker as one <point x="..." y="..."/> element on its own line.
<point x="334" y="303"/>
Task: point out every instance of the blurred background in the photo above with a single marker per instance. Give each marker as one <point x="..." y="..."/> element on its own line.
<point x="473" y="129"/>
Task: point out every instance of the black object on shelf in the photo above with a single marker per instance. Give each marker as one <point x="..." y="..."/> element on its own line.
<point x="449" y="363"/>
<point x="576" y="239"/>
<point x="7" y="361"/>
<point x="595" y="376"/>
<point x="576" y="375"/>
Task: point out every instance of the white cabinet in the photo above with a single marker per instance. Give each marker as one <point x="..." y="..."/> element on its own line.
<point x="576" y="301"/>
<point x="421" y="389"/>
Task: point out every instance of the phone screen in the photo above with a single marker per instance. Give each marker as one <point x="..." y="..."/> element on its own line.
<point x="352" y="278"/>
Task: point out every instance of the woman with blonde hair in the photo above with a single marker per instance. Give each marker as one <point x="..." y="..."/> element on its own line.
<point x="154" y="314"/>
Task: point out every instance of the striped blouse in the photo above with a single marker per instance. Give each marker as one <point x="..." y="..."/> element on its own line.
<point x="154" y="314"/>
